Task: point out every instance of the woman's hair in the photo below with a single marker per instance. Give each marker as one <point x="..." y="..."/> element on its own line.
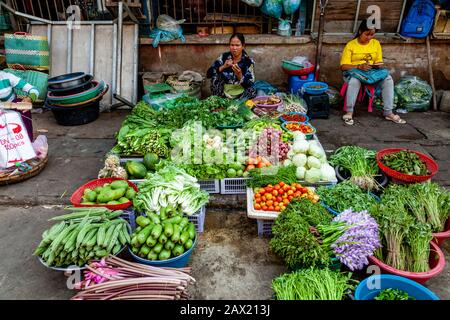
<point x="363" y="28"/>
<point x="240" y="36"/>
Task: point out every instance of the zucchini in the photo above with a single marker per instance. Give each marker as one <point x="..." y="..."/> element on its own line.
<point x="156" y="232"/>
<point x="176" y="234"/>
<point x="184" y="222"/>
<point x="191" y="231"/>
<point x="152" y="256"/>
<point x="145" y="233"/>
<point x="169" y="245"/>
<point x="145" y="250"/>
<point x="164" y="255"/>
<point x="173" y="220"/>
<point x="143" y="221"/>
<point x="168" y="230"/>
<point x="184" y="237"/>
<point x="178" y="250"/>
<point x="154" y="217"/>
<point x="188" y="244"/>
<point x="157" y="248"/>
<point x="151" y="242"/>
<point x="162" y="238"/>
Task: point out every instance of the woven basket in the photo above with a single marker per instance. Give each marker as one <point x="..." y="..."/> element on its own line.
<point x="37" y="166"/>
<point x="35" y="78"/>
<point x="430" y="163"/>
<point x="30" y="51"/>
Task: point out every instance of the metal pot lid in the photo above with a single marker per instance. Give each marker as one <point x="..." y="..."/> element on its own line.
<point x="66" y="78"/>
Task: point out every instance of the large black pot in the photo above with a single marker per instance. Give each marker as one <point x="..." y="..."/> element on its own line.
<point x="74" y="116"/>
<point x="343" y="174"/>
<point x="86" y="84"/>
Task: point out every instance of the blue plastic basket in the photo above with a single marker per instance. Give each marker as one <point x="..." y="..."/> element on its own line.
<point x="308" y="136"/>
<point x="412" y="288"/>
<point x="177" y="262"/>
<point x="307" y="88"/>
<point x="290" y="113"/>
<point x="335" y="213"/>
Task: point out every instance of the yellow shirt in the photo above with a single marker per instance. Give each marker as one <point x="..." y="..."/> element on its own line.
<point x="355" y="53"/>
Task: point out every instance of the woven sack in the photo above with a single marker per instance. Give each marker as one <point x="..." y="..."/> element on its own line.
<point x="35" y="78"/>
<point x="25" y="49"/>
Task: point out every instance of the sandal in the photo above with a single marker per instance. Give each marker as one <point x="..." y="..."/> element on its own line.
<point x="348" y="119"/>
<point x="395" y="118"/>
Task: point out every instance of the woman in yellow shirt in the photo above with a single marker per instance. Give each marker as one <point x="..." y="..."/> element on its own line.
<point x="364" y="53"/>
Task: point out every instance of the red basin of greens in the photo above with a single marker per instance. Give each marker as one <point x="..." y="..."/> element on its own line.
<point x="439" y="237"/>
<point x="437" y="264"/>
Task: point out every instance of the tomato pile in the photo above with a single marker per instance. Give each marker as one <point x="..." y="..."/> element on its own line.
<point x="300" y="127"/>
<point x="294" y="117"/>
<point x="277" y="197"/>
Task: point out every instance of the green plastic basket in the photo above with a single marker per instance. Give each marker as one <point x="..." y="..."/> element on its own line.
<point x="79" y="97"/>
<point x="289" y="65"/>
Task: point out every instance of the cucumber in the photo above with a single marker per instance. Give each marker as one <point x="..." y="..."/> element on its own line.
<point x="184" y="237"/>
<point x="191" y="230"/>
<point x="144" y="234"/>
<point x="143" y="221"/>
<point x="178" y="250"/>
<point x="188" y="244"/>
<point x="145" y="250"/>
<point x="173" y="220"/>
<point x="135" y="250"/>
<point x="168" y="230"/>
<point x="154" y="217"/>
<point x="169" y="245"/>
<point x="138" y="229"/>
<point x="134" y="242"/>
<point x="157" y="248"/>
<point x="151" y="242"/>
<point x="164" y="255"/>
<point x="162" y="214"/>
<point x="162" y="238"/>
<point x="176" y="234"/>
<point x="184" y="222"/>
<point x="152" y="256"/>
<point x="156" y="232"/>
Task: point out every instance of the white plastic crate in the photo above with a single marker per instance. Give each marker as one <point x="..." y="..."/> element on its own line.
<point x="233" y="186"/>
<point x="198" y="219"/>
<point x="210" y="186"/>
<point x="264" y="227"/>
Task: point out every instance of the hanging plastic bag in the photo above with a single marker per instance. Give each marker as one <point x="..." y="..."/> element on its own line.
<point x="273" y="8"/>
<point x="414" y="94"/>
<point x="290" y="6"/>
<point x="284" y="28"/>
<point x="253" y="3"/>
<point x="334" y="97"/>
<point x="167" y="29"/>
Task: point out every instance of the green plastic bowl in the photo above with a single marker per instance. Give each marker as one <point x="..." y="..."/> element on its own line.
<point x="78" y="97"/>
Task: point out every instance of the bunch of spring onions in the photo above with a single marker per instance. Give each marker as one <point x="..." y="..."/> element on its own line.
<point x="361" y="164"/>
<point x="312" y="284"/>
<point x="116" y="279"/>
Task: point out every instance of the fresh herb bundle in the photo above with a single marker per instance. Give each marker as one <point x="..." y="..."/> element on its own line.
<point x="271" y="175"/>
<point x="360" y="163"/>
<point x="344" y="196"/>
<point x="312" y="284"/>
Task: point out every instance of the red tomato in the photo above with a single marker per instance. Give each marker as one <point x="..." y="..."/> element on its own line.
<point x="277" y="187"/>
<point x="281" y="184"/>
<point x="297" y="194"/>
<point x="269" y="203"/>
<point x="279" y="199"/>
<point x="293" y="188"/>
<point x="258" y="200"/>
<point x="286" y="187"/>
<point x="262" y="191"/>
<point x="258" y="195"/>
<point x="264" y="208"/>
<point x="275" y="203"/>
<point x="269" y="196"/>
<point x="269" y="189"/>
<point x="290" y="192"/>
<point x="277" y="208"/>
<point x="271" y="208"/>
<point x="270" y="186"/>
<point x="304" y="190"/>
<point x="264" y="198"/>
<point x="284" y="196"/>
<point x="286" y="202"/>
<point x="290" y="198"/>
<point x="275" y="192"/>
<point x="257" y="206"/>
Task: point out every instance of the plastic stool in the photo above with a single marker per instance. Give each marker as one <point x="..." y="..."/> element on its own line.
<point x="368" y="89"/>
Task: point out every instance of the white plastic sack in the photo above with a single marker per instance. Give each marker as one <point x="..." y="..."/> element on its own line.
<point x="15" y="144"/>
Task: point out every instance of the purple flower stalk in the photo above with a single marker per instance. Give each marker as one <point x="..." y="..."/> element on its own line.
<point x="359" y="241"/>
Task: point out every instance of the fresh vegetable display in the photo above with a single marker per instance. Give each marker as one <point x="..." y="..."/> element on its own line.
<point x="83" y="235"/>
<point x="170" y="187"/>
<point x="301" y="127"/>
<point x="406" y="162"/>
<point x="393" y="294"/>
<point x="310" y="160"/>
<point x="293" y="103"/>
<point x="270" y="146"/>
<point x="115" y="279"/>
<point x="257" y="163"/>
<point x="258" y="125"/>
<point x="361" y="164"/>
<point x="345" y="196"/>
<point x="160" y="237"/>
<point x="294" y="117"/>
<point x="277" y="197"/>
<point x="116" y="192"/>
<point x="270" y="100"/>
<point x="271" y="175"/>
<point x="313" y="284"/>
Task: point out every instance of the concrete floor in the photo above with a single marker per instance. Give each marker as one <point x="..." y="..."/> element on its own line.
<point x="230" y="262"/>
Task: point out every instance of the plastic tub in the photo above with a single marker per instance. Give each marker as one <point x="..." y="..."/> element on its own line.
<point x="75" y="116"/>
<point x="309" y="89"/>
<point x="268" y="106"/>
<point x="430" y="163"/>
<point x="412" y="288"/>
<point x="437" y="265"/>
<point x="177" y="262"/>
<point x="343" y="174"/>
<point x="66" y="80"/>
<point x="308" y="136"/>
<point x="439" y="237"/>
<point x="75" y="199"/>
<point x="85" y="85"/>
<point x="299" y="72"/>
<point x="98" y="87"/>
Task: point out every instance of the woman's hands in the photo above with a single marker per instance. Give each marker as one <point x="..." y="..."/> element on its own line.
<point x="237" y="71"/>
<point x="26" y="99"/>
<point x="364" y="67"/>
<point x="228" y="63"/>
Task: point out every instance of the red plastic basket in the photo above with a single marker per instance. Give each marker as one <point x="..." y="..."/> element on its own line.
<point x="75" y="199"/>
<point x="299" y="72"/>
<point x="430" y="163"/>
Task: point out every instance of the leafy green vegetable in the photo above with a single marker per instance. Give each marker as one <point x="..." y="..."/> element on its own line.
<point x="312" y="284"/>
<point x="406" y="162"/>
<point x="344" y="196"/>
<point x="272" y="175"/>
<point x="393" y="294"/>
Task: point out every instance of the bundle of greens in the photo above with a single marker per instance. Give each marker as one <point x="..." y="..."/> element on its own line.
<point x="344" y="196"/>
<point x="393" y="294"/>
<point x="294" y="238"/>
<point x="312" y="284"/>
<point x="360" y="163"/>
<point x="170" y="187"/>
<point x="406" y="162"/>
<point x="271" y="175"/>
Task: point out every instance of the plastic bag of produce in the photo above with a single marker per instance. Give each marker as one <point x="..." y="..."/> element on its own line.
<point x="334" y="96"/>
<point x="290" y="6"/>
<point x="273" y="8"/>
<point x="414" y="94"/>
<point x="167" y="29"/>
<point x="284" y="28"/>
<point x="158" y="102"/>
<point x="253" y="3"/>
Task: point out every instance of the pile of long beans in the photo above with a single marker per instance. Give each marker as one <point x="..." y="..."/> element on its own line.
<point x="117" y="279"/>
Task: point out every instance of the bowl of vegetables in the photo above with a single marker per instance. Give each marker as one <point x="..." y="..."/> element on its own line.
<point x="315" y="88"/>
<point x="270" y="102"/>
<point x="406" y="165"/>
<point x="304" y="128"/>
<point x="392" y="287"/>
<point x="436" y="263"/>
<point x="294" y="117"/>
<point x="163" y="240"/>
